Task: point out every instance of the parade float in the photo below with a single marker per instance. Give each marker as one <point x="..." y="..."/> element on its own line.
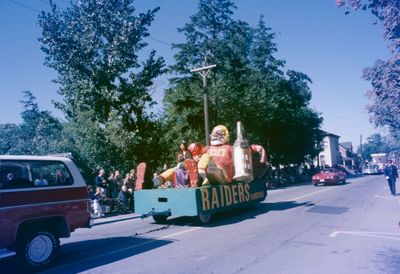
<point x="224" y="177"/>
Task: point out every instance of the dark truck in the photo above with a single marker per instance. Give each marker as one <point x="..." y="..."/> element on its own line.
<point x="42" y="198"/>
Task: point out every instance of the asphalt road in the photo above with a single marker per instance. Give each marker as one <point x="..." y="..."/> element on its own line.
<point x="351" y="228"/>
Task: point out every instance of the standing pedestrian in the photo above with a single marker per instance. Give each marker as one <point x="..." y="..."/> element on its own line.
<point x="130" y="180"/>
<point x="391" y="175"/>
<point x="100" y="180"/>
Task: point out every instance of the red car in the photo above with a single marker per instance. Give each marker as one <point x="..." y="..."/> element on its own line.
<point x="329" y="176"/>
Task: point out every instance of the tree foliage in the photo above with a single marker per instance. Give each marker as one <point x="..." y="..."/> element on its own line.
<point x="94" y="47"/>
<point x="38" y="134"/>
<point x="383" y="75"/>
<point x="249" y="84"/>
<point x="376" y="143"/>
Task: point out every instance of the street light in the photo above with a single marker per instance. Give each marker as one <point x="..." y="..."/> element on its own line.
<point x="203" y="71"/>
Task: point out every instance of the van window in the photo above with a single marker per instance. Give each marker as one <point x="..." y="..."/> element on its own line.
<point x="22" y="174"/>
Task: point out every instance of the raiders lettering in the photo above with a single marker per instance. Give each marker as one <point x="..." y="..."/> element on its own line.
<point x="226" y="195"/>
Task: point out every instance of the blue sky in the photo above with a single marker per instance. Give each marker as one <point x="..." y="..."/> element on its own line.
<point x="314" y="37"/>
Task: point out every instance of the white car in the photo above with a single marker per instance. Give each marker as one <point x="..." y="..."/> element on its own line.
<point x="371" y="170"/>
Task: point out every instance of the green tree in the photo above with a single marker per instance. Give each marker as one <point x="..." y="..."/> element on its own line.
<point x="10" y="135"/>
<point x="376" y="143"/>
<point x="41" y="131"/>
<point x="93" y="45"/>
<point x="248" y="84"/>
<point x="203" y="34"/>
<point x="38" y="134"/>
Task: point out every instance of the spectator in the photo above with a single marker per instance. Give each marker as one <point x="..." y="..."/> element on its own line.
<point x="100" y="195"/>
<point x="41" y="181"/>
<point x="60" y="178"/>
<point x="130" y="180"/>
<point x="95" y="202"/>
<point x="124" y="196"/>
<point x="101" y="180"/>
<point x="391" y="175"/>
<point x="118" y="180"/>
<point x="112" y="186"/>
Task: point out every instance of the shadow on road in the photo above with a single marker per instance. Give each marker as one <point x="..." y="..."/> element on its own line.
<point x="239" y="215"/>
<point x="388" y="260"/>
<point x="331" y="185"/>
<point x="81" y="256"/>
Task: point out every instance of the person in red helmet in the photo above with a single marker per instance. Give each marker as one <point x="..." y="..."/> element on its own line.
<point x="197" y="150"/>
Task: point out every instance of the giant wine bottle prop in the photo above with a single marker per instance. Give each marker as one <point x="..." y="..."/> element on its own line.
<point x="242" y="157"/>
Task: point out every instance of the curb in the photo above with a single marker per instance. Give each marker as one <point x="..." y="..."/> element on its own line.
<point x="115" y="218"/>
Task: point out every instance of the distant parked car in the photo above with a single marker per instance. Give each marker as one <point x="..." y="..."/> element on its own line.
<point x="371" y="170"/>
<point x="329" y="176"/>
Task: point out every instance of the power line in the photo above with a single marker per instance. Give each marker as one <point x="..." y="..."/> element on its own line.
<point x="46" y="2"/>
<point x="24" y="5"/>
<point x="160" y="41"/>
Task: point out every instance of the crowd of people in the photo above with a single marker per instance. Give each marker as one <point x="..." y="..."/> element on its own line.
<point x="115" y="193"/>
<point x="289" y="175"/>
<point x="112" y="193"/>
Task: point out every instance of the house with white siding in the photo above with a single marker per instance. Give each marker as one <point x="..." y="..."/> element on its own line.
<point x="330" y="155"/>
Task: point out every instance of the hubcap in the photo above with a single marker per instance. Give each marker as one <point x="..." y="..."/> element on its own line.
<point x="40" y="249"/>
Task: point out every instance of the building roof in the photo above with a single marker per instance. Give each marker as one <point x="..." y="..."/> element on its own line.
<point x="325" y="133"/>
<point x="347" y="145"/>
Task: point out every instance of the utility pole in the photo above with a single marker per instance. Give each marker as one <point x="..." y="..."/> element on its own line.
<point x="361" y="150"/>
<point x="203" y="71"/>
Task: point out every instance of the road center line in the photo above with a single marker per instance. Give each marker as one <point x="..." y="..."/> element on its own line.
<point x="181" y="232"/>
<point x="368" y="234"/>
<point x="385" y="197"/>
<point x="312" y="193"/>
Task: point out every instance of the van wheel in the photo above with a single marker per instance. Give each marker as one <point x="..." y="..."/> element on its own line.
<point x="38" y="249"/>
<point x="204" y="218"/>
<point x="160" y="219"/>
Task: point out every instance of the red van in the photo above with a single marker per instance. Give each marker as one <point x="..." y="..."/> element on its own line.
<point x="42" y="198"/>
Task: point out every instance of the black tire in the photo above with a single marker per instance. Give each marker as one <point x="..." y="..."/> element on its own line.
<point x="204" y="218"/>
<point x="38" y="249"/>
<point x="315" y="184"/>
<point x="160" y="219"/>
